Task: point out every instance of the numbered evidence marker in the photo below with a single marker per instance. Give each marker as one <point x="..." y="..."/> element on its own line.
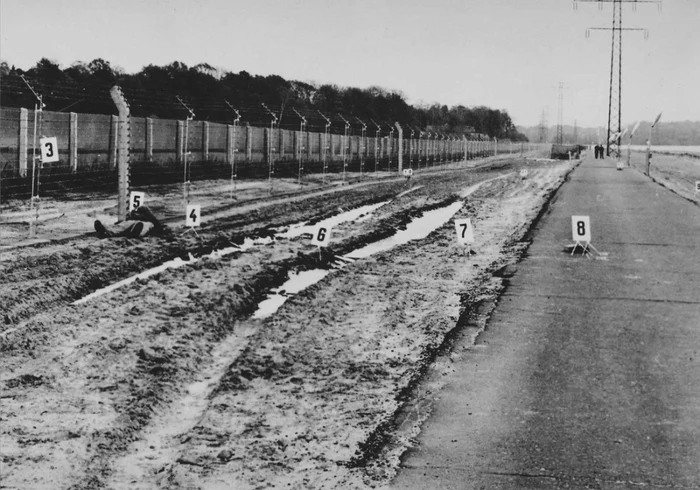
<point x="136" y="199"/>
<point x="697" y="186"/>
<point x="581" y="231"/>
<point x="193" y="216"/>
<point x="465" y="232"/>
<point x="407" y="172"/>
<point x="322" y="236"/>
<point x="620" y="165"/>
<point x="523" y="173"/>
<point x="49" y="149"/>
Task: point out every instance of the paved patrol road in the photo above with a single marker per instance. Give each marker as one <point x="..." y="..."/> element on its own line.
<point x="588" y="375"/>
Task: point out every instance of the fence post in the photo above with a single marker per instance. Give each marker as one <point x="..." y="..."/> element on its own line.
<point x="180" y="141"/>
<point x="73" y="142"/>
<point x="23" y="134"/>
<point x="400" y="148"/>
<point x="149" y="139"/>
<point x="248" y="142"/>
<point x="124" y="143"/>
<point x="205" y="140"/>
<point x="114" y="138"/>
<point x="229" y="143"/>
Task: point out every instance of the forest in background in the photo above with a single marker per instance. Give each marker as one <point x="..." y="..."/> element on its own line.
<point x="213" y="94"/>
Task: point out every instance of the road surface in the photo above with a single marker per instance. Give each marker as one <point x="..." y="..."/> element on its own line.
<point x="588" y="373"/>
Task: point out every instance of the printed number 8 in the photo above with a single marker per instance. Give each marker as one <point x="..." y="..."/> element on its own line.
<point x="581" y="228"/>
<point x="321" y="234"/>
<point x="49" y="150"/>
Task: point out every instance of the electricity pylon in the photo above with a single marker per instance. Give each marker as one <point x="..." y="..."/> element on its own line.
<point x="615" y="97"/>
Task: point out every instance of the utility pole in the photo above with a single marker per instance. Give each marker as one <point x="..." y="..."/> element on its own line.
<point x="326" y="137"/>
<point x="186" y="168"/>
<point x="615" y="96"/>
<point x="234" y="174"/>
<point x="543" y="127"/>
<point x="300" y="148"/>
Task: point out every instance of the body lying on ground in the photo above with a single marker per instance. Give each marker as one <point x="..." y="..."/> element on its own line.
<point x="139" y="223"/>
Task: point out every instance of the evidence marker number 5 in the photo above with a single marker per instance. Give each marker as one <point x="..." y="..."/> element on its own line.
<point x="465" y="231"/>
<point x="581" y="228"/>
<point x="136" y="200"/>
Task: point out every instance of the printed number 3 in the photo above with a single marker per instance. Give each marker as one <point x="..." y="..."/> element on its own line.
<point x="581" y="228"/>
<point x="321" y="234"/>
<point x="49" y="150"/>
<point x="464" y="228"/>
<point x="193" y="216"/>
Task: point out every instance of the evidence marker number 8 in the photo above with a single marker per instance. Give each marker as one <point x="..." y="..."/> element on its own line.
<point x="465" y="231"/>
<point x="322" y="236"/>
<point x="581" y="228"/>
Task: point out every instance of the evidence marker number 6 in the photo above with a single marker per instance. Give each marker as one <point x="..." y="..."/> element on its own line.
<point x="322" y="236"/>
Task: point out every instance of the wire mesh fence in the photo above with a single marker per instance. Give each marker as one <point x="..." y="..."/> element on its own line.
<point x="213" y="161"/>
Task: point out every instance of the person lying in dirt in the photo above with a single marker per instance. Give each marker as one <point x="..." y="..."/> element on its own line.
<point x="139" y="223"/>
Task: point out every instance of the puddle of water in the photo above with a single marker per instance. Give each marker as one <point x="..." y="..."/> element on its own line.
<point x="417" y="229"/>
<point x="299" y="229"/>
<point x="296" y="283"/>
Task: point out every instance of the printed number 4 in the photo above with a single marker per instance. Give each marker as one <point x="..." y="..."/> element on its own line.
<point x="193" y="216"/>
<point x="581" y="228"/>
<point x="49" y="149"/>
<point x="321" y="234"/>
<point x="464" y="228"/>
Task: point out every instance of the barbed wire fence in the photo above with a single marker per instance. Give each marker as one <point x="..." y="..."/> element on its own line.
<point x="211" y="160"/>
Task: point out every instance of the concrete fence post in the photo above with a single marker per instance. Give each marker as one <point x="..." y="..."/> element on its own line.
<point x="229" y="143"/>
<point x="23" y="138"/>
<point x="113" y="140"/>
<point x="205" y="140"/>
<point x="248" y="142"/>
<point x="180" y="141"/>
<point x="308" y="146"/>
<point x="400" y="146"/>
<point x="73" y="142"/>
<point x="280" y="153"/>
<point x="149" y="139"/>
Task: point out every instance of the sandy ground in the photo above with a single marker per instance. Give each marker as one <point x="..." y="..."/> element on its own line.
<point x="680" y="174"/>
<point x="170" y="382"/>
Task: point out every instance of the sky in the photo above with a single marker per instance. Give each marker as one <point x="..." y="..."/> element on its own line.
<point x="505" y="54"/>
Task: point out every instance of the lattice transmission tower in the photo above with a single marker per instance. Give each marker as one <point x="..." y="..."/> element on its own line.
<point x="615" y="97"/>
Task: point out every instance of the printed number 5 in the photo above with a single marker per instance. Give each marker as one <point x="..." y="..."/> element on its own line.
<point x="49" y="149"/>
<point x="137" y="201"/>
<point x="193" y="215"/>
<point x="581" y="228"/>
<point x="321" y="234"/>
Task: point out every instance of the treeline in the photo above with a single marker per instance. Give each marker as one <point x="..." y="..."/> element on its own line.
<point x="173" y="90"/>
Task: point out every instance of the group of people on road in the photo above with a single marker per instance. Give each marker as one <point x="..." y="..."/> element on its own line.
<point x="599" y="151"/>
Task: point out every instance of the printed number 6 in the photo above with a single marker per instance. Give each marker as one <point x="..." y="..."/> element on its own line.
<point x="49" y="149"/>
<point x="193" y="215"/>
<point x="581" y="228"/>
<point x="321" y="234"/>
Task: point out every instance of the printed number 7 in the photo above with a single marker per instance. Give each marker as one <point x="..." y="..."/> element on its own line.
<point x="464" y="228"/>
<point x="193" y="215"/>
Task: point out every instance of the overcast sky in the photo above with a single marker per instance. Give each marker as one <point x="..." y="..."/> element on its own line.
<point x="506" y="54"/>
